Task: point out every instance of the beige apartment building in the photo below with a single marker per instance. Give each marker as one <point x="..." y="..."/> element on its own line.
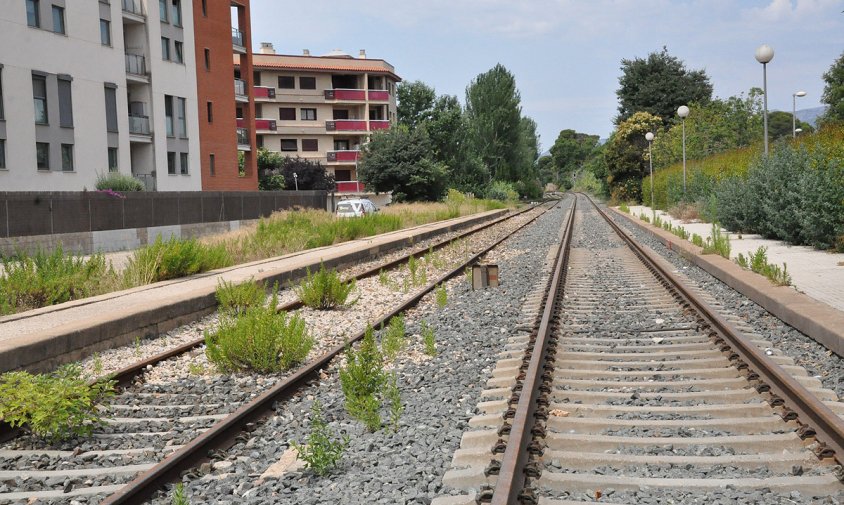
<point x="322" y="108"/>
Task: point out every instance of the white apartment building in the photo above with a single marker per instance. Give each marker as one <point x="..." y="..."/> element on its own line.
<point x="322" y="108"/>
<point x="92" y="86"/>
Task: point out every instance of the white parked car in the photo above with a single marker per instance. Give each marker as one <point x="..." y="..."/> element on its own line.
<point x="356" y="208"/>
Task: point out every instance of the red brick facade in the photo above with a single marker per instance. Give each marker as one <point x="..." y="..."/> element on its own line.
<point x="216" y="85"/>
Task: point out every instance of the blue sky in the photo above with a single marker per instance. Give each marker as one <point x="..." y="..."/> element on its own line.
<point x="566" y="54"/>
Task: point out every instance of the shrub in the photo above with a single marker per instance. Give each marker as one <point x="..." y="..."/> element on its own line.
<point x="42" y="279"/>
<point x="624" y="208"/>
<point x="502" y="191"/>
<point x="718" y="243"/>
<point x="758" y="262"/>
<point x="237" y="298"/>
<point x="320" y="452"/>
<point x="115" y="181"/>
<point x="362" y="379"/>
<point x="393" y="338"/>
<point x="428" y="339"/>
<point x="173" y="258"/>
<point x="56" y="406"/>
<point x="697" y="240"/>
<point x="392" y="395"/>
<point x="259" y="339"/>
<point x="325" y="290"/>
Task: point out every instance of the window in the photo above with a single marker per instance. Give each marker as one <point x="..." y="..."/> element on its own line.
<point x="162" y="10"/>
<point x="307" y="114"/>
<point x="2" y="153"/>
<point x="310" y="145"/>
<point x="177" y="12"/>
<point x="165" y="49"/>
<point x="1" y="94"/>
<point x="183" y="163"/>
<point x="42" y="155"/>
<point x="171" y="163"/>
<point x="105" y="32"/>
<point x="286" y="82"/>
<point x="111" y="108"/>
<point x="307" y="83"/>
<point x="207" y="59"/>
<point x="289" y="145"/>
<point x="205" y="14"/>
<point x="33" y="16"/>
<point x="65" y="104"/>
<point x="180" y="53"/>
<point x="39" y="98"/>
<point x="212" y="165"/>
<point x="67" y="157"/>
<point x="287" y="113"/>
<point x="168" y="114"/>
<point x="210" y="107"/>
<point x="58" y="19"/>
<point x="181" y="116"/>
<point x="112" y="159"/>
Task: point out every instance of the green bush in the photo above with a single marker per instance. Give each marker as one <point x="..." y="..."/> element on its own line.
<point x="362" y="380"/>
<point x="624" y="208"/>
<point x="697" y="240"/>
<point x="58" y="406"/>
<point x="320" y="452"/>
<point x="393" y="338"/>
<point x="259" y="339"/>
<point x="502" y="191"/>
<point x="173" y="258"/>
<point x="42" y="279"/>
<point x="238" y="297"/>
<point x="116" y="181"/>
<point x="325" y="290"/>
<point x="758" y="262"/>
<point x="718" y="243"/>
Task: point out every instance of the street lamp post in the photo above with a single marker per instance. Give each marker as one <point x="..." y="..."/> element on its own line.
<point x="650" y="137"/>
<point x="683" y="112"/>
<point x="296" y="180"/>
<point x="794" y="112"/>
<point x="764" y="55"/>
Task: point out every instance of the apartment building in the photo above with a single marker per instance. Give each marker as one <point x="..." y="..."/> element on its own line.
<point x="322" y="108"/>
<point x="225" y="94"/>
<point x="88" y="87"/>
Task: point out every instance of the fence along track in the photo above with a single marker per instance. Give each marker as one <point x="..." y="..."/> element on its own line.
<point x="187" y="421"/>
<point x="635" y="355"/>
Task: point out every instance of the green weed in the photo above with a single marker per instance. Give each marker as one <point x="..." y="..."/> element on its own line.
<point x="325" y="290"/>
<point x="718" y="243"/>
<point x="238" y="297"/>
<point x="428" y="339"/>
<point x="179" y="497"/>
<point x="441" y="296"/>
<point x="173" y="258"/>
<point x="362" y="379"/>
<point x="321" y="451"/>
<point x="392" y="395"/>
<point x="757" y="261"/>
<point x="624" y="208"/>
<point x="383" y="278"/>
<point x="697" y="240"/>
<point x="393" y="339"/>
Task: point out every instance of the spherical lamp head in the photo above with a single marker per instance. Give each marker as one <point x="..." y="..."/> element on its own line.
<point x="649" y="136"/>
<point x="800" y="93"/>
<point x="764" y="54"/>
<point x="683" y="111"/>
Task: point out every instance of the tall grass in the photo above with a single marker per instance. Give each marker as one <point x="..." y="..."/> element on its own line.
<point x="172" y="259"/>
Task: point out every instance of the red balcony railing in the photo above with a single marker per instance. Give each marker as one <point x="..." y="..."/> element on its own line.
<point x="379" y="125"/>
<point x="264" y="92"/>
<point x="260" y="124"/>
<point x="343" y="155"/>
<point x="345" y="94"/>
<point x="350" y="187"/>
<point x="379" y="95"/>
<point x="345" y="125"/>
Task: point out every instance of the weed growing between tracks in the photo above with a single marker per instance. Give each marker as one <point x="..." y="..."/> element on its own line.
<point x="179" y="497"/>
<point x="237" y="298"/>
<point x="428" y="339"/>
<point x="393" y="338"/>
<point x="57" y="406"/>
<point x="321" y="452"/>
<point x="325" y="290"/>
<point x="442" y="296"/>
<point x="362" y="379"/>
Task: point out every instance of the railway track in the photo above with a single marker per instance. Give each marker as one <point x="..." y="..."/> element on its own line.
<point x="181" y="419"/>
<point x="630" y="389"/>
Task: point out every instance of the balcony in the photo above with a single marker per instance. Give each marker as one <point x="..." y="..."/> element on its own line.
<point x="263" y="93"/>
<point x="133" y="10"/>
<point x="379" y="95"/>
<point x="352" y="95"/>
<point x="378" y="124"/>
<point x="243" y="140"/>
<point x="139" y="125"/>
<point x="346" y="125"/>
<point x="340" y="156"/>
<point x="136" y="65"/>
<point x="240" y="91"/>
<point x="350" y="187"/>
<point x="260" y="124"/>
<point x="237" y="41"/>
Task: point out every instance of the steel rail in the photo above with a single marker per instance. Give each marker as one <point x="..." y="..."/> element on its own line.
<point x="817" y="419"/>
<point x="222" y="434"/>
<point x="511" y="474"/>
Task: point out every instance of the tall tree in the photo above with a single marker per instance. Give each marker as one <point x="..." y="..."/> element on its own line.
<point x="658" y="85"/>
<point x="494" y="116"/>
<point x="569" y="152"/>
<point x="626" y="155"/>
<point x="415" y="103"/>
<point x="448" y="130"/>
<point x="833" y="92"/>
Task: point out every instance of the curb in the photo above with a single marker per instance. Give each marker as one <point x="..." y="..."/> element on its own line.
<point x="822" y="323"/>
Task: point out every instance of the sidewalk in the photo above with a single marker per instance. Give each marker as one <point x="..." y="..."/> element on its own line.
<point x="818" y="274"/>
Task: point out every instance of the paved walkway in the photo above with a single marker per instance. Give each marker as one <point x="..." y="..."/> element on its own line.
<point x="819" y="274"/>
